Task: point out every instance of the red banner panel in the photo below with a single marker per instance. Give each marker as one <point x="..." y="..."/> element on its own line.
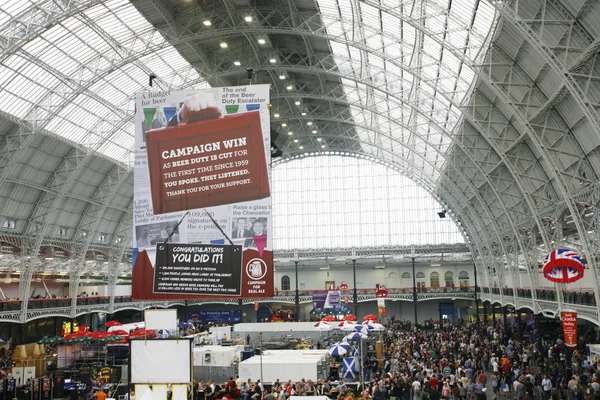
<point x="209" y="163"/>
<point x="569" y="323"/>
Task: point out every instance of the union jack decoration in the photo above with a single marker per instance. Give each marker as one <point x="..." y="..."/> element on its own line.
<point x="563" y="266"/>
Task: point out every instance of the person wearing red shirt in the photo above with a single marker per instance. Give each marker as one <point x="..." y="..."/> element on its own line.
<point x="434" y="381"/>
<point x="482" y="378"/>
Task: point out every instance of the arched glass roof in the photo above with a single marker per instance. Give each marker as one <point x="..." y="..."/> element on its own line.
<point x="405" y="78"/>
<point x="77" y="78"/>
<point x="342" y="202"/>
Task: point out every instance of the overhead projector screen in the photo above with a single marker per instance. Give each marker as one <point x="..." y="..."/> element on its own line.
<point x="161" y="361"/>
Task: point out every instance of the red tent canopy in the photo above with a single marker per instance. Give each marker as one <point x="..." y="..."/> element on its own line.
<point x="77" y="335"/>
<point x="112" y="323"/>
<point x="119" y="332"/>
<point x="370" y="317"/>
<point x="329" y="318"/>
<point x="143" y="333"/>
<point x="349" y="317"/>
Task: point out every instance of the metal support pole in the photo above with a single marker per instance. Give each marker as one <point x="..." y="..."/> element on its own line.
<point x="261" y="351"/>
<point x="485" y="313"/>
<point x="361" y="379"/>
<point x="494" y="315"/>
<point x="414" y="288"/>
<point x="297" y="300"/>
<point x="355" y="299"/>
<point x="505" y="330"/>
<point x="476" y="296"/>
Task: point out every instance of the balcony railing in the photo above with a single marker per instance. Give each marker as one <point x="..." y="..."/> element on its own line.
<point x="90" y="301"/>
<point x="35" y="304"/>
<point x="583" y="297"/>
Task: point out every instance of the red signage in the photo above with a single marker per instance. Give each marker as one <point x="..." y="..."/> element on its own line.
<point x="206" y="164"/>
<point x="253" y="283"/>
<point x="343" y="285"/>
<point x="381" y="292"/>
<point x="569" y="323"/>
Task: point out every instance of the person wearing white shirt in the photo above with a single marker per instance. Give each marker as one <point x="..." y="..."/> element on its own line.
<point x="547" y="387"/>
<point x="416" y="390"/>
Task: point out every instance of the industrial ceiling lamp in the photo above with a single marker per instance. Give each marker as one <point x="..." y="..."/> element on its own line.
<point x="442" y="214"/>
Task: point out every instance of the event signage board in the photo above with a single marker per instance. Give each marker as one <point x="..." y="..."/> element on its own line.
<point x="215" y="316"/>
<point x="569" y="323"/>
<point x="202" y="184"/>
<point x="326" y="298"/>
<point x="198" y="269"/>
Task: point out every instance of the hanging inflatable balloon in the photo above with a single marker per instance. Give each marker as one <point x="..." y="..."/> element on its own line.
<point x="563" y="266"/>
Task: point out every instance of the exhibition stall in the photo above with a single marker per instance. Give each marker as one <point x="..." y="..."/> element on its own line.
<point x="286" y="364"/>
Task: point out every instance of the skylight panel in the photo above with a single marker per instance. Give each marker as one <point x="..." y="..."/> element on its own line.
<point x="431" y="47"/>
<point x="369" y="14"/>
<point x="328" y="6"/>
<point x="374" y="42"/>
<point x="117" y="151"/>
<point x="11" y="8"/>
<point x="375" y="61"/>
<point x="436" y="23"/>
<point x="12" y="104"/>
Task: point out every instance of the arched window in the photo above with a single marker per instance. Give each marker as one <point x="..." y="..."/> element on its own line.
<point x="449" y="278"/>
<point x="420" y="275"/>
<point x="328" y="188"/>
<point x="434" y="280"/>
<point x="392" y="275"/>
<point x="285" y="282"/>
<point x="406" y="275"/>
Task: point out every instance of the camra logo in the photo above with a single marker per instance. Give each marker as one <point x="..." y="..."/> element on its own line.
<point x="256" y="269"/>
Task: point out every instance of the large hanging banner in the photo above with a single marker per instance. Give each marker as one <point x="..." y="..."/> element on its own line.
<point x="569" y="323"/>
<point x="202" y="201"/>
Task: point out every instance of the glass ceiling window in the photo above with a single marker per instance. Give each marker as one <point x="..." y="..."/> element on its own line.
<point x="406" y="68"/>
<point x="77" y="79"/>
<point x="334" y="201"/>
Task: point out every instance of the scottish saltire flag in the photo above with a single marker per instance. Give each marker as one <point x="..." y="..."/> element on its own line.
<point x="563" y="266"/>
<point x="349" y="368"/>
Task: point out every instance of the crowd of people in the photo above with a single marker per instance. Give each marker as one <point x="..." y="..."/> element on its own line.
<point x="481" y="361"/>
<point x="463" y="361"/>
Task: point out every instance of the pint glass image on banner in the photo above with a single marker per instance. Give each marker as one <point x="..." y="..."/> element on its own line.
<point x="209" y="163"/>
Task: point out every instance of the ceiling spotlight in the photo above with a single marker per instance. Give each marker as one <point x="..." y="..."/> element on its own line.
<point x="223" y="45"/>
<point x="282" y="77"/>
<point x="314" y="131"/>
<point x="237" y="63"/>
<point x="295" y="140"/>
<point x="319" y="139"/>
<point x="207" y="22"/>
<point x="308" y="123"/>
<point x="322" y="146"/>
<point x="297" y="102"/>
<point x="290" y="133"/>
<point x="301" y="147"/>
<point x="442" y="214"/>
<point x="273" y="60"/>
<point x="248" y="18"/>
<point x="276" y="115"/>
<point x="284" y="124"/>
<point x="262" y="41"/>
<point x="303" y="114"/>
<point x="290" y="87"/>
